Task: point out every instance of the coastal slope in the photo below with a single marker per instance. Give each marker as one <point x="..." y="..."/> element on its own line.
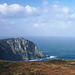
<point x="18" y="49"/>
<point x="51" y="67"/>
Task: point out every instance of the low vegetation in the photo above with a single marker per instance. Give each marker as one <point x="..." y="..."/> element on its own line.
<point x="51" y="67"/>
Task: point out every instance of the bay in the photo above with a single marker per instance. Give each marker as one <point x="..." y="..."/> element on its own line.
<point x="56" y="47"/>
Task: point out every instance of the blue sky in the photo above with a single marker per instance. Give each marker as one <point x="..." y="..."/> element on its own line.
<point x="37" y="18"/>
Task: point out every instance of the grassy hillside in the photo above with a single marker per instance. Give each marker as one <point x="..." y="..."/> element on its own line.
<point x="52" y="67"/>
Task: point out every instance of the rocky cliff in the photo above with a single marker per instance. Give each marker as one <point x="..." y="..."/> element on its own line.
<point x="17" y="49"/>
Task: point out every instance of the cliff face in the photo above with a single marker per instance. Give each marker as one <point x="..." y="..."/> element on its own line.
<point x="17" y="49"/>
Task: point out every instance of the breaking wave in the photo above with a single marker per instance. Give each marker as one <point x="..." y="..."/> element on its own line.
<point x="53" y="57"/>
<point x="44" y="59"/>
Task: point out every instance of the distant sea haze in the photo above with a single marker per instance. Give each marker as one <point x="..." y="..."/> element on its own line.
<point x="56" y="47"/>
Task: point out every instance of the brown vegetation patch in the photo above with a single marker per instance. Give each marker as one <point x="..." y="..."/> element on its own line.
<point x="53" y="67"/>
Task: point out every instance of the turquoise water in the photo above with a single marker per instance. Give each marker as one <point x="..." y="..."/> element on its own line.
<point x="56" y="47"/>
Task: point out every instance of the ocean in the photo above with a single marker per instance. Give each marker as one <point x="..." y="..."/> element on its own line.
<point x="55" y="47"/>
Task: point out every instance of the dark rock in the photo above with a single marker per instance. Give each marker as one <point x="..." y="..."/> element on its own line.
<point x="17" y="49"/>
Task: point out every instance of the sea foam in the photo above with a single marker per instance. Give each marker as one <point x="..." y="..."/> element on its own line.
<point x="53" y="57"/>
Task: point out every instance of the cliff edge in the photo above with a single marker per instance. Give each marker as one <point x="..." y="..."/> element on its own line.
<point x="17" y="49"/>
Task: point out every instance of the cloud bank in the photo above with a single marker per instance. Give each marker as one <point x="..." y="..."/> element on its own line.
<point x="50" y="19"/>
<point x="16" y="11"/>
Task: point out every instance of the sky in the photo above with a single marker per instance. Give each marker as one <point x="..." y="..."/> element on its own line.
<point x="55" y="18"/>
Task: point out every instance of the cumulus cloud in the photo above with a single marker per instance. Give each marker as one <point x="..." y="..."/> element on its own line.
<point x="65" y="10"/>
<point x="54" y="8"/>
<point x="48" y="18"/>
<point x="36" y="25"/>
<point x="6" y="24"/>
<point x="55" y="17"/>
<point x="16" y="10"/>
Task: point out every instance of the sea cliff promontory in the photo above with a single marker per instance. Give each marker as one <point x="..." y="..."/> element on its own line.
<point x="17" y="49"/>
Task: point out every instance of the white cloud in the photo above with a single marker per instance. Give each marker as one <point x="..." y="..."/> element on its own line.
<point x="48" y="18"/>
<point x="55" y="8"/>
<point x="65" y="10"/>
<point x="56" y="17"/>
<point x="6" y="23"/>
<point x="45" y="3"/>
<point x="36" y="25"/>
<point x="53" y="17"/>
<point x="72" y="16"/>
<point x="16" y="10"/>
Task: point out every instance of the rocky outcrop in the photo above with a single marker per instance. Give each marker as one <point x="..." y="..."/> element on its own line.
<point x="17" y="49"/>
